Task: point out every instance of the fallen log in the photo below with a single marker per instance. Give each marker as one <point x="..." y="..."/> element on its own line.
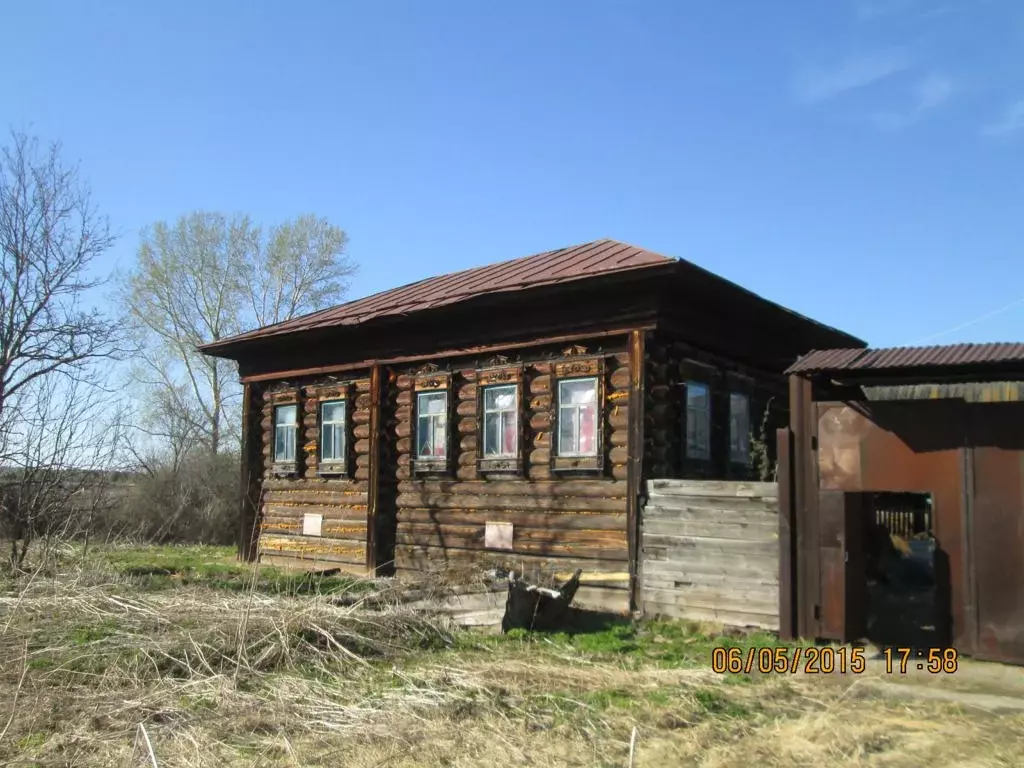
<point x="538" y="608"/>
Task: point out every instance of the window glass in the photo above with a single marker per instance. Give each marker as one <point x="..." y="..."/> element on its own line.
<point x="739" y="428"/>
<point x="431" y="425"/>
<point x="698" y="421"/>
<point x="577" y="417"/>
<point x="332" y="431"/>
<point x="500" y="421"/>
<point x="284" y="432"/>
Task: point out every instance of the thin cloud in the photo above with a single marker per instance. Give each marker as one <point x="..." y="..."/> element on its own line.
<point x="1011" y="121"/>
<point x="868" y="10"/>
<point x="934" y="91"/>
<point x="928" y="94"/>
<point x="856" y="72"/>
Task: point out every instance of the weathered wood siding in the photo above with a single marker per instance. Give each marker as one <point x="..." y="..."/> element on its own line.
<point x="341" y="500"/>
<point x="710" y="552"/>
<point x="560" y="521"/>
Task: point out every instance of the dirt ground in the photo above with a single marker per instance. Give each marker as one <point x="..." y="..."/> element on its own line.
<point x="105" y="666"/>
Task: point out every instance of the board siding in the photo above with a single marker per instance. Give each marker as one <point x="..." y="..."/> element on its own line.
<point x="711" y="552"/>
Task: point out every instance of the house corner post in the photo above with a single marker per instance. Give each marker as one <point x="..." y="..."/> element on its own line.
<point x="634" y="467"/>
<point x="250" y="477"/>
<point x="373" y="489"/>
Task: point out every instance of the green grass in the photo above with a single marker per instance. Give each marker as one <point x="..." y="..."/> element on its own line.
<point x="658" y="643"/>
<point x="153" y="568"/>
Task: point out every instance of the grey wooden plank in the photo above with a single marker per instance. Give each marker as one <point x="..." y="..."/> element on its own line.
<point x="728" y="618"/>
<point x="686" y="544"/>
<point x="745" y="531"/>
<point x="712" y="488"/>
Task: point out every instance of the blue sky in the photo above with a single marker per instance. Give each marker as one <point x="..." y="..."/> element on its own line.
<point x="861" y="161"/>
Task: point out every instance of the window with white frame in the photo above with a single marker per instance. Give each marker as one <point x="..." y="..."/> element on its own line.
<point x="432" y="425"/>
<point x="698" y="421"/>
<point x="577" y="417"/>
<point x="285" y="427"/>
<point x="739" y="428"/>
<point x="501" y="432"/>
<point x="332" y="432"/>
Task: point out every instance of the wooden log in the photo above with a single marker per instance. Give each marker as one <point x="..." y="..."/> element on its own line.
<point x="616" y="553"/>
<point x="467" y="392"/>
<point x="403" y="429"/>
<point x="540" y="385"/>
<point x="541" y="421"/>
<point x="540" y="472"/>
<point x="475" y="533"/>
<point x="466" y="408"/>
<point x="575" y="520"/>
<point x="468" y="443"/>
<point x="361" y="416"/>
<point x="466" y="426"/>
<point x="361" y="385"/>
<point x="619" y="379"/>
<point x="363" y="400"/>
<point x="404" y="398"/>
<point x="403" y="413"/>
<point x="618" y="455"/>
<point x="540" y="456"/>
<point x="465" y="499"/>
<point x="361" y="431"/>
<point x="618" y="418"/>
<point x="540" y="403"/>
<point x="618" y="471"/>
<point x="405" y="381"/>
<point x="600" y="488"/>
<point x="467" y="459"/>
<point x="466" y="473"/>
<point x="618" y="438"/>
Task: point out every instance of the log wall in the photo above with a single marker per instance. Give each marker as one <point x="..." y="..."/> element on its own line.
<point x="671" y="362"/>
<point x="560" y="520"/>
<point x="710" y="552"/>
<point x="340" y="499"/>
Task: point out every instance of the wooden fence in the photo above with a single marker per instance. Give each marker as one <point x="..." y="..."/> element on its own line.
<point x="710" y="552"/>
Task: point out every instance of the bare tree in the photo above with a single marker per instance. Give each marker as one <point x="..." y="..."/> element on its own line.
<point x="207" y="277"/>
<point x="62" y="439"/>
<point x="50" y="233"/>
<point x="50" y="346"/>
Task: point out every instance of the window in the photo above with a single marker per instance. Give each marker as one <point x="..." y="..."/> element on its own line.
<point x="501" y="433"/>
<point x="432" y="425"/>
<point x="739" y="428"/>
<point x="332" y="432"/>
<point x="698" y="421"/>
<point x="284" y="432"/>
<point x="577" y="417"/>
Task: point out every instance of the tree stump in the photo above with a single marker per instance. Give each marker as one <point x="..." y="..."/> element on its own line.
<point x="541" y="608"/>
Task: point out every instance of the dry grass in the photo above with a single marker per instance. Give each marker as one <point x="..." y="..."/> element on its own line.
<point x="95" y="672"/>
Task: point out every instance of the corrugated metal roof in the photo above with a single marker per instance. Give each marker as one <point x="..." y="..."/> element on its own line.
<point x="601" y="257"/>
<point x="952" y="355"/>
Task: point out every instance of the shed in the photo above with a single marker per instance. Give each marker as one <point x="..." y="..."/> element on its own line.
<point x="506" y="416"/>
<point x="925" y="445"/>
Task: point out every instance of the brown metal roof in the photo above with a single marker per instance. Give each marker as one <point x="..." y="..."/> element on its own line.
<point x="952" y="355"/>
<point x="601" y="257"/>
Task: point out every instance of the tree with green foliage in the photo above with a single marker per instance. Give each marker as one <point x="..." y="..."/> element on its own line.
<point x="206" y="277"/>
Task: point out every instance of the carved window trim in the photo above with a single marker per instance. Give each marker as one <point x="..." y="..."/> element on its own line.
<point x="285" y="395"/>
<point x="570" y="370"/>
<point x="334" y="392"/>
<point x="507" y="375"/>
<point x="430" y="383"/>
